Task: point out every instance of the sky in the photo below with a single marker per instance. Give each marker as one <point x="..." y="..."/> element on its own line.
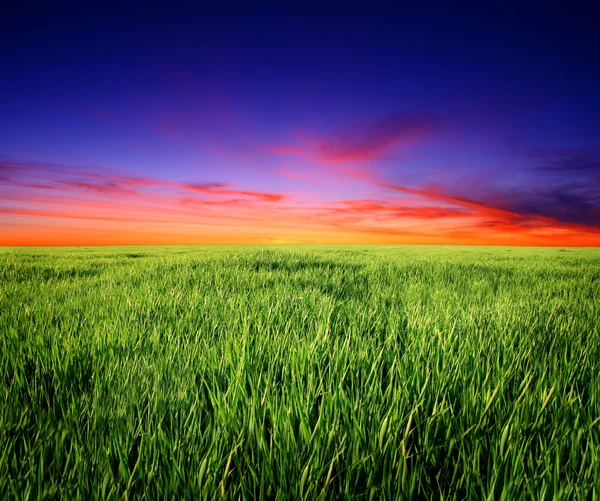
<point x="428" y="125"/>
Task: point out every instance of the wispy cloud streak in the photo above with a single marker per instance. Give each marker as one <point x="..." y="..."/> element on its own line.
<point x="75" y="202"/>
<point x="363" y="142"/>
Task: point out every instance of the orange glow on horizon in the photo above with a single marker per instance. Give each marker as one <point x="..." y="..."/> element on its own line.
<point x="71" y="208"/>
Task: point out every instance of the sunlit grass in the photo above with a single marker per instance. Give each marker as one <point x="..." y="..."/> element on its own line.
<point x="299" y="373"/>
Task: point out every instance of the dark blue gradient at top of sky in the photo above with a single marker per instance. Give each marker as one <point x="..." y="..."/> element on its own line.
<point x="429" y="53"/>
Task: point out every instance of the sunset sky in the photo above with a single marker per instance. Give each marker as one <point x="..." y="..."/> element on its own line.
<point x="433" y="126"/>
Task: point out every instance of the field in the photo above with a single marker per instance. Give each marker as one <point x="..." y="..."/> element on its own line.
<point x="340" y="372"/>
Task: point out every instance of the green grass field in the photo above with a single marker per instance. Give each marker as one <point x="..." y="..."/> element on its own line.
<point x="343" y="372"/>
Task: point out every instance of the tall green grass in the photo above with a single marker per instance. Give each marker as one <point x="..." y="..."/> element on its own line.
<point x="300" y="373"/>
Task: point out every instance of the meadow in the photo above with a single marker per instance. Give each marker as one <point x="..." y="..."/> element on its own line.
<point x="299" y="372"/>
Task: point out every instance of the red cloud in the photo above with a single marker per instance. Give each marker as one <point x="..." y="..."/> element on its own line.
<point x="367" y="142"/>
<point x="393" y="210"/>
<point x="81" y="205"/>
<point x="224" y="189"/>
<point x="496" y="219"/>
<point x="436" y="194"/>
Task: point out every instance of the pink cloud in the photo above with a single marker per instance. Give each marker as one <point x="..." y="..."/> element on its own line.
<point x="80" y="201"/>
<point x="364" y="142"/>
<point x="64" y="179"/>
<point x="285" y="150"/>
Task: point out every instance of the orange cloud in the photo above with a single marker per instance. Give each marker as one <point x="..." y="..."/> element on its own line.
<point x="65" y="206"/>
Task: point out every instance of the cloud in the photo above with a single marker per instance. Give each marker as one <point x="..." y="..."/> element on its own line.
<point x="285" y="150"/>
<point x="364" y="142"/>
<point x="106" y="187"/>
<point x="572" y="166"/>
<point x="391" y="210"/>
<point x="64" y="178"/>
<point x="437" y="194"/>
<point x="574" y="204"/>
<point x="77" y="200"/>
<point x="571" y="205"/>
<point x="564" y="161"/>
<point x="225" y="189"/>
<point x="371" y="141"/>
<point x="69" y="214"/>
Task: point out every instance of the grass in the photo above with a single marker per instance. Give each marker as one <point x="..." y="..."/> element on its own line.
<point x="300" y="373"/>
